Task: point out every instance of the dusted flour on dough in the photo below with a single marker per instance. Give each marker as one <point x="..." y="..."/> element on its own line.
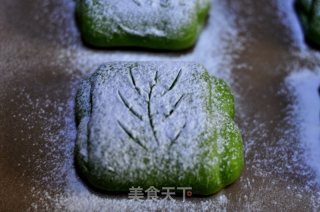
<point x="158" y="24"/>
<point x="157" y="124"/>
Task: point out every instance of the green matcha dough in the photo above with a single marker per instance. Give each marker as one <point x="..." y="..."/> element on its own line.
<point x="309" y="14"/>
<point x="156" y="24"/>
<point x="157" y="124"/>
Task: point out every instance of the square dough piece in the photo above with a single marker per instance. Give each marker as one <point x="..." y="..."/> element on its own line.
<point x="156" y="24"/>
<point x="157" y="124"/>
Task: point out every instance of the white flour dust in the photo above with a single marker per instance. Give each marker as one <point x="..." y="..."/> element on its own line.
<point x="213" y="49"/>
<point x="289" y="18"/>
<point x="305" y="86"/>
<point x="216" y="49"/>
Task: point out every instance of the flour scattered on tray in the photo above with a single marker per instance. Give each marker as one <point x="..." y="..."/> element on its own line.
<point x="84" y="202"/>
<point x="287" y="13"/>
<point x="289" y="18"/>
<point x="305" y="87"/>
<point x="216" y="49"/>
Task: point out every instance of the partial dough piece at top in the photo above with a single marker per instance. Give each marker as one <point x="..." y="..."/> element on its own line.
<point x="156" y="24"/>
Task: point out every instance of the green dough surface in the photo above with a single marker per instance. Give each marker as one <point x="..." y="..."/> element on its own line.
<point x="156" y="24"/>
<point x="157" y="124"/>
<point x="309" y="14"/>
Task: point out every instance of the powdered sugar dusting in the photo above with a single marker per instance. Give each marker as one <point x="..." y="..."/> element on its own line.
<point x="273" y="167"/>
<point x="145" y="118"/>
<point x="215" y="49"/>
<point x="290" y="19"/>
<point x="275" y="176"/>
<point x="83" y="202"/>
<point x="158" y="18"/>
<point x="305" y="86"/>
